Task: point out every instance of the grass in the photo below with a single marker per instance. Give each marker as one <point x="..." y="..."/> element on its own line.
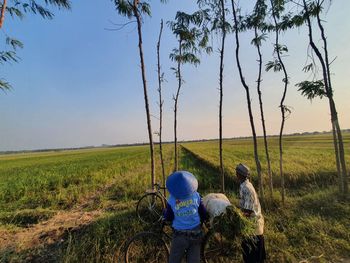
<point x="308" y="160"/>
<point x="58" y="181"/>
<point x="314" y="224"/>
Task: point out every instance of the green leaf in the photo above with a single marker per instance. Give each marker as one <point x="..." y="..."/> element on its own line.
<point x="13" y="11"/>
<point x="4" y="85"/>
<point x="8" y="56"/>
<point x="275" y="65"/>
<point x="257" y="40"/>
<point x="124" y="8"/>
<point x="38" y="9"/>
<point x="280" y="48"/>
<point x="145" y="8"/>
<point x="312" y="89"/>
<point x="14" y="43"/>
<point x="308" y="67"/>
<point x="59" y="3"/>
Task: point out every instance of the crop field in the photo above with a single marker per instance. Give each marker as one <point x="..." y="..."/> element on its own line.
<point x="79" y="206"/>
<point x="308" y="158"/>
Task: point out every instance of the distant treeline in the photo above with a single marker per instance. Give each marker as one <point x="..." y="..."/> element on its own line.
<point x="145" y="143"/>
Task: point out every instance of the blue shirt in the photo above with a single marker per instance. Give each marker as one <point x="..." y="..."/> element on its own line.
<point x="185" y="213"/>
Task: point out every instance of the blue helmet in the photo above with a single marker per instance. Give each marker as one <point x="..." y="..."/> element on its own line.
<point x="181" y="184"/>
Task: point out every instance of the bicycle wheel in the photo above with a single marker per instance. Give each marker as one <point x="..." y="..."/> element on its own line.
<point x="215" y="248"/>
<point x="146" y="247"/>
<point x="150" y="207"/>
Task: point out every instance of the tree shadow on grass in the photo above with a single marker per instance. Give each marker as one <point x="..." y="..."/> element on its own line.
<point x="207" y="173"/>
<point x="327" y="203"/>
<point x="101" y="241"/>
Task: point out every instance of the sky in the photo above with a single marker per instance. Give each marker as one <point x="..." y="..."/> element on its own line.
<point x="78" y="83"/>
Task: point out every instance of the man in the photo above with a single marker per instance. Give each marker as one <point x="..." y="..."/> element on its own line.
<point x="186" y="211"/>
<point x="253" y="248"/>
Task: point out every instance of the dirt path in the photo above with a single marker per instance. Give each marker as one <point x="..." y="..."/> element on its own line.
<point x="52" y="230"/>
<point x="47" y="232"/>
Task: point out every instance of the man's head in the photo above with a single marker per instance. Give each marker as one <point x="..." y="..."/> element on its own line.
<point x="242" y="172"/>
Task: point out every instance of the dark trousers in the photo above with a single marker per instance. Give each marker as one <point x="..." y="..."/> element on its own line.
<point x="254" y="249"/>
<point x="188" y="244"/>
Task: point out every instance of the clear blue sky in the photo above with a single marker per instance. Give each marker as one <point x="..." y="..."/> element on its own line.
<point x="78" y="84"/>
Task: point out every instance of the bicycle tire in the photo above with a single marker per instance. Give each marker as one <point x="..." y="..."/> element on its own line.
<point x="213" y="248"/>
<point x="150" y="207"/>
<point x="146" y="247"/>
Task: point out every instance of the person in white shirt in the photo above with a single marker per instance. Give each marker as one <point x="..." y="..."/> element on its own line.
<point x="253" y="248"/>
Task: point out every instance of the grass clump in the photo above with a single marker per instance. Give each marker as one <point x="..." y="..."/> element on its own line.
<point x="26" y="217"/>
<point x="233" y="224"/>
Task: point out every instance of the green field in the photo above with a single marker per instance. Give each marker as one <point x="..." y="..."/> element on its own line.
<point x="35" y="187"/>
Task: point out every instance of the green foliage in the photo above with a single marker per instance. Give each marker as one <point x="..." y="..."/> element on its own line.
<point x="4" y="85"/>
<point x="258" y="40"/>
<point x="18" y="8"/>
<point x="59" y="3"/>
<point x="275" y="65"/>
<point x="193" y="36"/>
<point x="127" y="8"/>
<point x="257" y="18"/>
<point x="14" y="43"/>
<point x="9" y="56"/>
<point x="278" y="6"/>
<point x="14" y="12"/>
<point x="217" y="22"/>
<point x="280" y="49"/>
<point x="312" y="89"/>
<point x="309" y="67"/>
<point x="124" y="8"/>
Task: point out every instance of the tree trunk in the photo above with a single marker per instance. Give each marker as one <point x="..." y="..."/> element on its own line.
<point x="222" y="51"/>
<point x="282" y="106"/>
<point x="338" y="146"/>
<point x="263" y="119"/>
<point x="335" y="144"/>
<point x="341" y="149"/>
<point x="338" y="130"/>
<point x="138" y="19"/>
<point x="256" y="157"/>
<point x="160" y="104"/>
<point x="176" y="99"/>
<point x="2" y="17"/>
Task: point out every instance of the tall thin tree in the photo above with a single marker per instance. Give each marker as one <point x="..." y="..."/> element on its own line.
<point x="314" y="8"/>
<point x="277" y="6"/>
<point x="192" y="35"/>
<point x="256" y="22"/>
<point x="220" y="26"/>
<point x="135" y="9"/>
<point x="221" y="79"/>
<point x="237" y="28"/>
<point x="160" y="103"/>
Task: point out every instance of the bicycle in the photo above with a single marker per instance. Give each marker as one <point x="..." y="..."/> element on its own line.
<point x="153" y="246"/>
<point x="150" y="206"/>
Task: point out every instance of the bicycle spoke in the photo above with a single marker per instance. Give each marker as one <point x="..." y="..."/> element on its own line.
<point x="149" y="208"/>
<point x="146" y="247"/>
